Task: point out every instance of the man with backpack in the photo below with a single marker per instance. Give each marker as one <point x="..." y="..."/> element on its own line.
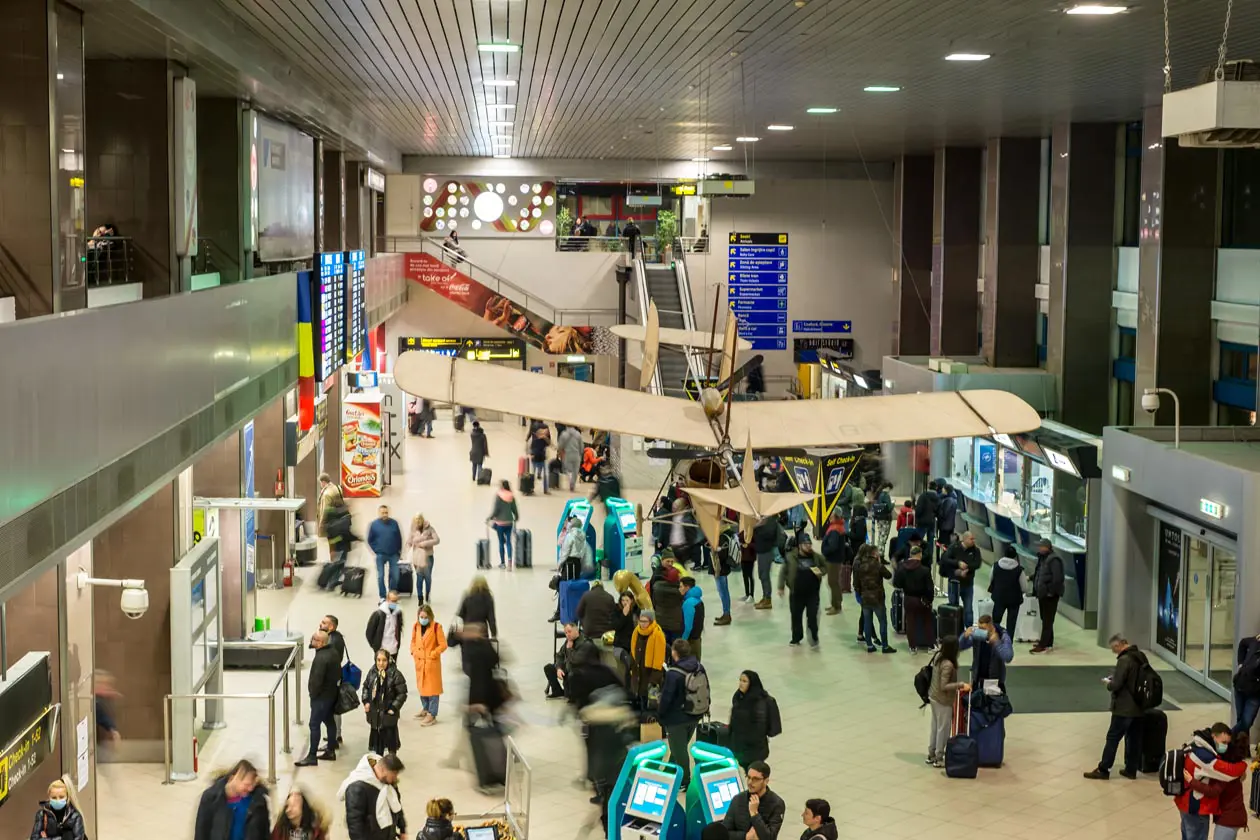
<point x="1247" y="684"/>
<point x="684" y="700"/>
<point x="1135" y="688"/>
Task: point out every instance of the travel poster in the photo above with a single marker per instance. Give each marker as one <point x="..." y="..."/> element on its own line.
<point x="1168" y="588"/>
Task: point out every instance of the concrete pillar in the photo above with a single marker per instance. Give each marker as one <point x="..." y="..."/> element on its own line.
<point x="956" y="251"/>
<point x="912" y="261"/>
<point x="334" y="200"/>
<point x="129" y="166"/>
<point x="1012" y="252"/>
<point x="1176" y="275"/>
<point x="318" y="195"/>
<point x="41" y="181"/>
<point x="357" y="206"/>
<point x="1086" y="159"/>
<point x="221" y="130"/>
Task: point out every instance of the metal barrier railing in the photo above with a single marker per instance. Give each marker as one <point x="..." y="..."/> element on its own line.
<point x="292" y="665"/>
<point x="109" y="260"/>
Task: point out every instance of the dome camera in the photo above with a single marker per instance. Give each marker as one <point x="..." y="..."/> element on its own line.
<point x="134" y="602"/>
<point x="1150" y="402"/>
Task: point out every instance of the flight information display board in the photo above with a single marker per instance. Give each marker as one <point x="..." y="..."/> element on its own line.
<point x="356" y="302"/>
<point x="757" y="286"/>
<point x="329" y="318"/>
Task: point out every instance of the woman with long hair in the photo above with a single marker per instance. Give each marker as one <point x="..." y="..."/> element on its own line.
<point x="428" y="643"/>
<point x="477" y="606"/>
<point x="942" y="693"/>
<point x="300" y="820"/>
<point x="57" y="816"/>
<point x="384" y="693"/>
<point x="421" y="541"/>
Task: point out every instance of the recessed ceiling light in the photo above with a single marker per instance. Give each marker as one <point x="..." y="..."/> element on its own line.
<point x="60" y="76"/>
<point x="700" y="160"/>
<point x="1092" y="9"/>
<point x="747" y="139"/>
<point x="501" y="48"/>
<point x="780" y="127"/>
<point x="881" y="88"/>
<point x="967" y="57"/>
<point x="722" y="148"/>
<point x="500" y="123"/>
<point x="503" y="106"/>
<point x="500" y="83"/>
<point x="821" y="110"/>
<point x="503" y="157"/>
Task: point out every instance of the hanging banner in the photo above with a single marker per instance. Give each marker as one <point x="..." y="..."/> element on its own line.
<point x="24" y="754"/>
<point x="802" y="470"/>
<point x="836" y="471"/>
<point x="361" y="447"/>
<point x="1168" y="589"/>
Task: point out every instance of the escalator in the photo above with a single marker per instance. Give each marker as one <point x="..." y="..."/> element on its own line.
<point x="662" y="287"/>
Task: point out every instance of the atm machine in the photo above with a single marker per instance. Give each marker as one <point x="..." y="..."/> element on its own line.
<point x="644" y="802"/>
<point x="584" y="511"/>
<point x="715" y="781"/>
<point x="623" y="547"/>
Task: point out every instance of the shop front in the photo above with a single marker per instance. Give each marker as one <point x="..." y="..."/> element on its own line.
<point x="1174" y="523"/>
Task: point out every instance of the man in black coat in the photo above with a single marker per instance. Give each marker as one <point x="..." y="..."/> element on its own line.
<point x="1048" y="583"/>
<point x="925" y="510"/>
<point x="959" y="564"/>
<point x="1126" y="712"/>
<point x="557" y="673"/>
<point x="371" y="796"/>
<point x="756" y="813"/>
<point x="322" y="682"/>
<point x="597" y="611"/>
<point x="337" y="642"/>
<point x="238" y="788"/>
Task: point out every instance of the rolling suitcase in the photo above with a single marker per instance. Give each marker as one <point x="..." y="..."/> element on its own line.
<point x="484" y="476"/>
<point x="522" y="466"/>
<point x="1154" y="741"/>
<point x="1029" y="622"/>
<point x="527" y="484"/>
<point x="898" y="612"/>
<point x="406" y="580"/>
<point x="714" y="732"/>
<point x="483" y="553"/>
<point x="1254" y="801"/>
<point x="948" y="621"/>
<point x="488" y="751"/>
<point x="570" y="592"/>
<point x="459" y="421"/>
<point x="962" y="753"/>
<point x="523" y="548"/>
<point x="990" y="738"/>
<point x="330" y="573"/>
<point x="352" y="581"/>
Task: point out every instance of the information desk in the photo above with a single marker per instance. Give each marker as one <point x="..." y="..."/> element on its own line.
<point x="644" y="802"/>
<point x="715" y="781"/>
<point x="623" y="547"/>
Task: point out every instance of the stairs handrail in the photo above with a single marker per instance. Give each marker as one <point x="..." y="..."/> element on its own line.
<point x="640" y="282"/>
<point x="688" y="311"/>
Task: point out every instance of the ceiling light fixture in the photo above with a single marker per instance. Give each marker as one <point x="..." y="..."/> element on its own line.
<point x="967" y="57"/>
<point x="780" y="127"/>
<point x="500" y="106"/>
<point x="500" y="83"/>
<point x="821" y="110"/>
<point x="60" y="76"/>
<point x="722" y="148"/>
<point x="881" y="88"/>
<point x="503" y="157"/>
<point x="499" y="48"/>
<point x="747" y="139"/>
<point x="700" y="160"/>
<point x="500" y="123"/>
<point x="1092" y="9"/>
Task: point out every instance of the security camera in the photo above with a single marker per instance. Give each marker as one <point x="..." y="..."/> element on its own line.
<point x="134" y="602"/>
<point x="1150" y="402"/>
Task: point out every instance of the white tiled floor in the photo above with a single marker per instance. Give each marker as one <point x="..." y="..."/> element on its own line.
<point x="853" y="733"/>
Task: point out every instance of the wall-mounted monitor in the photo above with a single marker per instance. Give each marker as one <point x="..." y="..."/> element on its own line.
<point x="1060" y="461"/>
<point x="1030" y="447"/>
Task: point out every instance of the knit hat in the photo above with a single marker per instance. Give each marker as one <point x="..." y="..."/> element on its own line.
<point x="803" y="538"/>
<point x="671" y="574"/>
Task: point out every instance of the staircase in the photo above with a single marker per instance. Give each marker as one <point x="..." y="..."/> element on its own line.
<point x="662" y="287"/>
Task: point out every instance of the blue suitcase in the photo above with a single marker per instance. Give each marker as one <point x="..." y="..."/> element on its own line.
<point x="962" y="751"/>
<point x="990" y="738"/>
<point x="571" y="591"/>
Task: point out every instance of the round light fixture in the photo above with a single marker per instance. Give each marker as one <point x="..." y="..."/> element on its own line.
<point x="476" y="224"/>
<point x="524" y="212"/>
<point x="463" y="199"/>
<point x="524" y="188"/>
<point x="500" y="188"/>
<point x="537" y="188"/>
<point x="463" y="212"/>
<point x="536" y="212"/>
<point x="441" y="225"/>
<point x="524" y="225"/>
<point x="430" y="185"/>
<point x="546" y="227"/>
<point x="428" y="212"/>
<point x="428" y="200"/>
<point x="512" y="200"/>
<point x="451" y="187"/>
<point x="548" y="200"/>
<point x="488" y="206"/>
<point x="452" y="224"/>
<point x="536" y="200"/>
<point x="451" y="200"/>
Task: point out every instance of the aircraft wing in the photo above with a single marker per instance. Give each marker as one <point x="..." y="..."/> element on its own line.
<point x="582" y="404"/>
<point x="734" y="498"/>
<point x="902" y="417"/>
<point x="694" y="339"/>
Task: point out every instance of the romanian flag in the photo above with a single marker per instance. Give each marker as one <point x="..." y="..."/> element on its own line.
<point x="306" y="353"/>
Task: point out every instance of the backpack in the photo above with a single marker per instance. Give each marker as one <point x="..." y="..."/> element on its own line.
<point x="923" y="681"/>
<point x="774" y="721"/>
<point x="883" y="507"/>
<point x="1171" y="771"/>
<point x="1148" y="687"/>
<point x="696" y="700"/>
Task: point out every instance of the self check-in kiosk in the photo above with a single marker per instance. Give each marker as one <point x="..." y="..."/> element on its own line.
<point x="584" y="511"/>
<point x="623" y="546"/>
<point x="644" y="802"/>
<point x="715" y="781"/>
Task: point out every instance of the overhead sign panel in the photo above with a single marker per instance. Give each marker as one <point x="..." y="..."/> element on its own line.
<point x="757" y="283"/>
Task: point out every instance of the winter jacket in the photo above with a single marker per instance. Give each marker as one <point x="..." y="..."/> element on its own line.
<point x="882" y="509"/>
<point x="66" y="824"/>
<point x="750" y="727"/>
<point x="857" y="533"/>
<point x="1233" y="802"/>
<point x="667" y="599"/>
<point x="566" y="655"/>
<point x="925" y="509"/>
<point x="914" y="579"/>
<point x="329" y="498"/>
<point x="767" y="823"/>
<point x="311" y="827"/>
<point x="693" y="614"/>
<point x="569" y="449"/>
<point x="1211" y="774"/>
<point x="835" y="545"/>
<point x="385" y="537"/>
<point x="947" y="513"/>
<point x="957" y="553"/>
<point x="1004" y="582"/>
<point x="427" y="646"/>
<point x="324" y="675"/>
<point x="337" y="528"/>
<point x="379" y="622"/>
<point x="597" y="612"/>
<point x="945" y="682"/>
<point x="480" y="661"/>
<point x="674" y="693"/>
<point x="1123" y="681"/>
<point x="479" y="448"/>
<point x="624" y="625"/>
<point x="538" y="449"/>
<point x="421" y="543"/>
<point x="768" y="535"/>
<point x="436" y="828"/>
<point x="214" y="818"/>
<point x="479" y="607"/>
<point x="367" y="799"/>
<point x="1048" y="576"/>
<point x="504" y="511"/>
<point x="648" y="647"/>
<point x="850" y="498"/>
<point x="990" y="665"/>
<point x="826" y="831"/>
<point x="608" y="486"/>
<point x="803" y="572"/>
<point x="1246" y="680"/>
<point x="869" y="574"/>
<point x="905" y="517"/>
<point x="386" y="696"/>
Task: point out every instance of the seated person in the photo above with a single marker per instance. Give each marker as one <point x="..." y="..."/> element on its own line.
<point x="568" y="654"/>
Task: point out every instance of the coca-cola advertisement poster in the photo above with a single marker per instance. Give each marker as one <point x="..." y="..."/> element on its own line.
<point x="458" y="287"/>
<point x="361" y="446"/>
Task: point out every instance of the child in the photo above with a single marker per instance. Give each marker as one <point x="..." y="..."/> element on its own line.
<point x="905" y="516"/>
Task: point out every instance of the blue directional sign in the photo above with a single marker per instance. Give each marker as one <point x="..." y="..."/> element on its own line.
<point x="757" y="283"/>
<point x="822" y="327"/>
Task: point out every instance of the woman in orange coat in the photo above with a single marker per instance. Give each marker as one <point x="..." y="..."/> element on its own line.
<point x="428" y="642"/>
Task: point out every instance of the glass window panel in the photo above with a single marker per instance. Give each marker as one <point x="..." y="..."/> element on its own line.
<point x="1039" y="497"/>
<point x="1223" y="594"/>
<point x="1195" y="583"/>
<point x="1069" y="506"/>
<point x="960" y="462"/>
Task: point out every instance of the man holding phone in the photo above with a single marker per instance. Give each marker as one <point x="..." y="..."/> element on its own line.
<point x="1126" y="712"/>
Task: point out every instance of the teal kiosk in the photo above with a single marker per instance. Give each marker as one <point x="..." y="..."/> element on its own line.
<point x="584" y="511"/>
<point x="623" y="547"/>
<point x="644" y="802"/>
<point x="715" y="781"/>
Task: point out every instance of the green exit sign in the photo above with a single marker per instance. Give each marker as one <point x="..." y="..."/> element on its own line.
<point x="1207" y="507"/>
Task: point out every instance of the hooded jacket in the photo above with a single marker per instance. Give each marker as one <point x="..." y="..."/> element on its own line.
<point x="382" y="620"/>
<point x="373" y="808"/>
<point x="913" y="579"/>
<point x="1210" y="772"/>
<point x="504" y="511"/>
<point x="1232" y="803"/>
<point x="667" y="599"/>
<point x="947" y="512"/>
<point x="768" y="535"/>
<point x="214" y="819"/>
<point x="925" y="508"/>
<point x="66" y="824"/>
<point x="422" y="541"/>
<point x="802" y="571"/>
<point x="869" y="574"/>
<point x="693" y="614"/>
<point x="1123" y="703"/>
<point x="436" y="828"/>
<point x="479" y="445"/>
<point x="835" y="545"/>
<point x="1004" y="582"/>
<point x="750" y="722"/>
<point x="674" y="693"/>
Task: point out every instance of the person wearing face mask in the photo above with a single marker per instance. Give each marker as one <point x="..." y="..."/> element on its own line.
<point x="991" y="649"/>
<point x="384" y="693"/>
<point x="1206" y="774"/>
<point x="57" y="816"/>
<point x="1126" y="712"/>
<point x="384" y="627"/>
<point x="428" y="643"/>
<point x="300" y="820"/>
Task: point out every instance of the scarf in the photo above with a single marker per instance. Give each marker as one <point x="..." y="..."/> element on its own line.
<point x="387" y="801"/>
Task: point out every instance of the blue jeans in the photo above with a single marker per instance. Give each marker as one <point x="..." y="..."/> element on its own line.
<point x="1195" y="826"/>
<point x="870" y="612"/>
<point x="724" y="594"/>
<point x="1247" y="706"/>
<point x="321" y="714"/>
<point x="965" y="593"/>
<point x="505" y="541"/>
<point x="540" y="474"/>
<point x="381" y="560"/>
<point x="476" y="468"/>
<point x="430" y="704"/>
<point x="424" y="582"/>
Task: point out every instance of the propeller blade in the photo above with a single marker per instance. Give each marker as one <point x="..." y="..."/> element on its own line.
<point x="740" y="372"/>
<point x="651" y="347"/>
<point x="727" y="363"/>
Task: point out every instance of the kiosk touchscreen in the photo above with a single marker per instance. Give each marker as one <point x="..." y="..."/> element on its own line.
<point x="714" y="783"/>
<point x="623" y="547"/>
<point x="583" y="510"/>
<point x="644" y="801"/>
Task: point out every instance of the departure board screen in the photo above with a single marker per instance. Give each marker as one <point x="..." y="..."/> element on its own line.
<point x="329" y="319"/>
<point x="356" y="303"/>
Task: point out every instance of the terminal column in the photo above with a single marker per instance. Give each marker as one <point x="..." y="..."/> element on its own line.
<point x="221" y="201"/>
<point x="334" y="200"/>
<point x="1176" y="274"/>
<point x="912" y="263"/>
<point x="1083" y="208"/>
<point x="1008" y="323"/>
<point x="956" y="251"/>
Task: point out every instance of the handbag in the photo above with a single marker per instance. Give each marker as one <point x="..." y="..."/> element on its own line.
<point x="347" y="699"/>
<point x="351" y="674"/>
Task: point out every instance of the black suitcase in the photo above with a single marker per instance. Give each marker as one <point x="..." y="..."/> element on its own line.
<point x="523" y="548"/>
<point x="488" y="750"/>
<point x="1254" y="802"/>
<point x="714" y="732"/>
<point x="1154" y="740"/>
<point x="413" y="423"/>
<point x="553" y="478"/>
<point x="328" y="573"/>
<point x="459" y="421"/>
<point x="483" y="553"/>
<point x="485" y="475"/>
<point x="949" y="621"/>
<point x="352" y="581"/>
<point x="527" y="484"/>
<point x="962" y="752"/>
<point x="898" y="611"/>
<point x="406" y="580"/>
